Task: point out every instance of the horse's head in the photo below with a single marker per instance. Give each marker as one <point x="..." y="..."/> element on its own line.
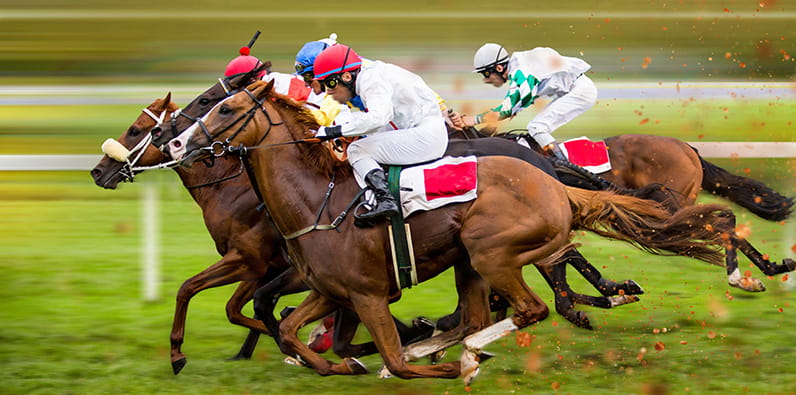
<point x="133" y="147"/>
<point x="225" y="87"/>
<point x="230" y="122"/>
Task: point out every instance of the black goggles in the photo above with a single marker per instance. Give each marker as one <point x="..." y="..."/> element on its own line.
<point x="332" y="81"/>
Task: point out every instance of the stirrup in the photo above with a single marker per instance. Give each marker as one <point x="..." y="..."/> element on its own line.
<point x="363" y="222"/>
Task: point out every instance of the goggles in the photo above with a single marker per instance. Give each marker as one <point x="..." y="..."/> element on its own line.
<point x="332" y="81"/>
<point x="486" y="73"/>
<point x="300" y="67"/>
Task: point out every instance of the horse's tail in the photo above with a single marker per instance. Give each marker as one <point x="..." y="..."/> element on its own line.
<point x="750" y="194"/>
<point x="691" y="231"/>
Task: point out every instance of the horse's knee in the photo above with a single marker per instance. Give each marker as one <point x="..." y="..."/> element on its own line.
<point x="531" y="316"/>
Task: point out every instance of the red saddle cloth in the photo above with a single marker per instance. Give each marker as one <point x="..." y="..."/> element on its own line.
<point x="590" y="155"/>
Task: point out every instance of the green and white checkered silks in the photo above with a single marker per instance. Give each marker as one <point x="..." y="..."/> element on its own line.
<point x="521" y="94"/>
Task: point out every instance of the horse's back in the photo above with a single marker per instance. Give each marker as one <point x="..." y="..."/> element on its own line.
<point x="638" y="160"/>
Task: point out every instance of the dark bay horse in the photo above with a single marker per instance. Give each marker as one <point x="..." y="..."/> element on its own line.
<point x="348" y="266"/>
<point x="638" y="160"/>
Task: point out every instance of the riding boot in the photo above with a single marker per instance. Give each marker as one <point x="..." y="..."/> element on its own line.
<point x="385" y="203"/>
<point x="554" y="149"/>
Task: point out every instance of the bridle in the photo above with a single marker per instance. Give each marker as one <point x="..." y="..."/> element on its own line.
<point x="129" y="169"/>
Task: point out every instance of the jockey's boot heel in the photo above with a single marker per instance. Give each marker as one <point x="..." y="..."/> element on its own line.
<point x="386" y="205"/>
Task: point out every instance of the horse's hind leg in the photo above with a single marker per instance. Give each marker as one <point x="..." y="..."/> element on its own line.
<point x="242" y="295"/>
<point x="766" y="266"/>
<point x="596" y="279"/>
<point x="265" y="298"/>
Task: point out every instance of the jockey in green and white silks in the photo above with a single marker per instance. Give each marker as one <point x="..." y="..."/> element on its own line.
<point x="531" y="74"/>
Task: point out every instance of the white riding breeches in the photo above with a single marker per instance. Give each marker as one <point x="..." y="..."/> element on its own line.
<point x="568" y="105"/>
<point x="424" y="142"/>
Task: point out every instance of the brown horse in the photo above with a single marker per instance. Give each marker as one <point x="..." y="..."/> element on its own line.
<point x="638" y="160"/>
<point x="348" y="266"/>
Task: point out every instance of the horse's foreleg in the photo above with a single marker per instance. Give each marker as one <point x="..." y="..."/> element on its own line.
<point x="375" y="315"/>
<point x="242" y="295"/>
<point x="226" y="271"/>
<point x="555" y="275"/>
<point x="313" y="308"/>
<point x="266" y="297"/>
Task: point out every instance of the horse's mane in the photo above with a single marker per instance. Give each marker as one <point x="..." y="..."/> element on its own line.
<point x="300" y="122"/>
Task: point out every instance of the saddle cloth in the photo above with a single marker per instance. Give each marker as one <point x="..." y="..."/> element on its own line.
<point x="590" y="155"/>
<point x="435" y="184"/>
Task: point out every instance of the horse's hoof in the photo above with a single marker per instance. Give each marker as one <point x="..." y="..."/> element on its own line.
<point x="437" y="356"/>
<point x="355" y="366"/>
<point x="622" y="299"/>
<point x="469" y="366"/>
<point x="295" y="361"/>
<point x="578" y="318"/>
<point x="239" y="357"/>
<point x="632" y="288"/>
<point x="484" y="356"/>
<point x="384" y="373"/>
<point x="749" y="284"/>
<point x="177" y="365"/>
<point x="790" y="264"/>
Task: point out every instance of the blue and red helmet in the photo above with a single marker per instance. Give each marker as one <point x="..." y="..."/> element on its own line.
<point x="336" y="59"/>
<point x="307" y="54"/>
<point x="243" y="64"/>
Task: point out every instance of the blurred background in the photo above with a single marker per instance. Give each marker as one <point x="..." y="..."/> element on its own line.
<point x="75" y="73"/>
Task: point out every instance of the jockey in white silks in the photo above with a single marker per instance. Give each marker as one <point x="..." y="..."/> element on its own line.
<point x="539" y="72"/>
<point x="390" y="98"/>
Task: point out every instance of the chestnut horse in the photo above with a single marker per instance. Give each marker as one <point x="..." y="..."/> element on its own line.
<point x="520" y="217"/>
<point x="638" y="160"/>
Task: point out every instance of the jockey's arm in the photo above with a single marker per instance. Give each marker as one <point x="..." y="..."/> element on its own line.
<point x="378" y="96"/>
<point x="521" y="94"/>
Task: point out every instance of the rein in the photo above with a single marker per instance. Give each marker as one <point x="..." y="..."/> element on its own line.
<point x="220" y="148"/>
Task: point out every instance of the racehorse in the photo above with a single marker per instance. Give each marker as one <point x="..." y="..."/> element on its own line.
<point x="638" y="160"/>
<point x="520" y="217"/>
<point x="252" y="249"/>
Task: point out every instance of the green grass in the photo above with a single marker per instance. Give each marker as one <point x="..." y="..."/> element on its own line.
<point x="74" y="322"/>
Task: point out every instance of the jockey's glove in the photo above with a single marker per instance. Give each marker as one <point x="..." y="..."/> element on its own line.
<point x="326" y="133"/>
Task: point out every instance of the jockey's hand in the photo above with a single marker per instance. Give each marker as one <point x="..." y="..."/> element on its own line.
<point x="454" y="119"/>
<point x="468" y="121"/>
<point x="326" y="133"/>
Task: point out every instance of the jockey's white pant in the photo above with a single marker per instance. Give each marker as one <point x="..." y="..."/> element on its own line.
<point x="564" y="108"/>
<point x="424" y="142"/>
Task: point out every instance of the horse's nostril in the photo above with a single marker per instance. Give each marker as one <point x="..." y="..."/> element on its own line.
<point x="96" y="173"/>
<point x="176" y="144"/>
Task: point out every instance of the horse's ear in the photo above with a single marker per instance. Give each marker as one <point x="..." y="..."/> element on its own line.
<point x="261" y="88"/>
<point x="167" y="100"/>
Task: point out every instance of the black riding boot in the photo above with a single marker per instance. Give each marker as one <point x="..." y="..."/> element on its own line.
<point x="385" y="203"/>
<point x="554" y="149"/>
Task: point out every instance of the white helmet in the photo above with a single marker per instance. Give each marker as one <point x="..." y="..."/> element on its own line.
<point x="489" y="55"/>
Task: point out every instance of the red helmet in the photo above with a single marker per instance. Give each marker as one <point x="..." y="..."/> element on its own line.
<point x="336" y="59"/>
<point x="243" y="64"/>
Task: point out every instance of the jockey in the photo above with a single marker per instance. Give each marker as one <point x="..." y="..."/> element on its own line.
<point x="539" y="72"/>
<point x="328" y="111"/>
<point x="391" y="98"/>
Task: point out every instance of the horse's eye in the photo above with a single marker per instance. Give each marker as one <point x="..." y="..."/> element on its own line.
<point x="204" y="101"/>
<point x="133" y="131"/>
<point x="156" y="130"/>
<point x="224" y="110"/>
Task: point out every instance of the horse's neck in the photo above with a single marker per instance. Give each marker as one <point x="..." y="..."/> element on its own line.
<point x="293" y="190"/>
<point x="197" y="178"/>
